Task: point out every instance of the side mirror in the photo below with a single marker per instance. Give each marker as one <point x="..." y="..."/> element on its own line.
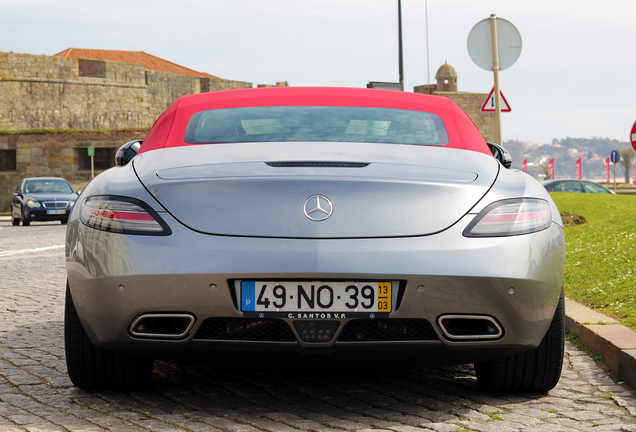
<point x="77" y="192"/>
<point x="501" y="154"/>
<point x="127" y="152"/>
<point x="18" y="194"/>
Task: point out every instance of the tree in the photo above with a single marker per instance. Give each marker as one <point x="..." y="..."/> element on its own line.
<point x="546" y="170"/>
<point x="627" y="159"/>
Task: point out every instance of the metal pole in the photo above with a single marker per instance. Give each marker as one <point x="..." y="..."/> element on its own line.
<point x="428" y="63"/>
<point x="400" y="42"/>
<point x="495" y="71"/>
<point x="614" y="176"/>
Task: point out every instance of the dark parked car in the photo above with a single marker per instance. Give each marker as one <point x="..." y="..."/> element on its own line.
<point x="571" y="185"/>
<point x="42" y="199"/>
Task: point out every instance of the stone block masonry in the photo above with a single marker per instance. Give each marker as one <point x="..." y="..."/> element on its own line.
<point x="58" y="155"/>
<point x="39" y="92"/>
<point x="49" y="92"/>
<point x="471" y="104"/>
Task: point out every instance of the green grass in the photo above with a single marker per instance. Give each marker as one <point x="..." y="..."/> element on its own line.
<point x="494" y="416"/>
<point x="576" y="341"/>
<point x="600" y="267"/>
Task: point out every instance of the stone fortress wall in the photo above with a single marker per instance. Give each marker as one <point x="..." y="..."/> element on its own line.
<point x="38" y="92"/>
<point x="58" y="155"/>
<point x="471" y="104"/>
<point x="50" y="92"/>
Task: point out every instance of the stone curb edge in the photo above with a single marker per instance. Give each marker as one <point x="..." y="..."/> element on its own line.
<point x="615" y="343"/>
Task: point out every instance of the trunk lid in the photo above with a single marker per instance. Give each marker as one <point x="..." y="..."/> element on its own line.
<point x="276" y="189"/>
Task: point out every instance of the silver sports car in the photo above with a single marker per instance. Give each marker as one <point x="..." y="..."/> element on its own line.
<point x="350" y="226"/>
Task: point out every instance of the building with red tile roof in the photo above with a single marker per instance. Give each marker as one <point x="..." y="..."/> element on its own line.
<point x="148" y="61"/>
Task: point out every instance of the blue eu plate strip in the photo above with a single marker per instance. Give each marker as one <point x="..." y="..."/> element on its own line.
<point x="248" y="293"/>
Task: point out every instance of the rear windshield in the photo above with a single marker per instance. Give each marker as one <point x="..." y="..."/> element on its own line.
<point x="311" y="123"/>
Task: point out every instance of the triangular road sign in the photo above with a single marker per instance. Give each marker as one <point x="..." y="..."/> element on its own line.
<point x="489" y="103"/>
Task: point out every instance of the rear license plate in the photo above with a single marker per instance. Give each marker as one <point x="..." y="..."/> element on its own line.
<point x="55" y="212"/>
<point x="290" y="296"/>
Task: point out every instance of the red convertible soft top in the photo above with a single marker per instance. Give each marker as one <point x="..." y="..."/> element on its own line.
<point x="170" y="127"/>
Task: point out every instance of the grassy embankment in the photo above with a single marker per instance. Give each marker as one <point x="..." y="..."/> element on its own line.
<point x="600" y="267"/>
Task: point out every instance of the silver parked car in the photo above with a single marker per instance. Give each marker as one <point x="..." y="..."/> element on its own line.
<point x="353" y="225"/>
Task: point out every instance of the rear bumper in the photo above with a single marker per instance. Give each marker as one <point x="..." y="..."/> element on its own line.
<point x="515" y="280"/>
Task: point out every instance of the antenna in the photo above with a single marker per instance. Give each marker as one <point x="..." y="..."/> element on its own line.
<point x="400" y="41"/>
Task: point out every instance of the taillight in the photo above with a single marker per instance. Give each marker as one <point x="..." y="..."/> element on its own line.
<point x="511" y="217"/>
<point x="122" y="215"/>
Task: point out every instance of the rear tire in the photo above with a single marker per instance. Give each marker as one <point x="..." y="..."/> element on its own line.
<point x="535" y="371"/>
<point x="14" y="220"/>
<point x="95" y="368"/>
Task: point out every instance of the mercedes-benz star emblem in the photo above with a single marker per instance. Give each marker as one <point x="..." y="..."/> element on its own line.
<point x="318" y="208"/>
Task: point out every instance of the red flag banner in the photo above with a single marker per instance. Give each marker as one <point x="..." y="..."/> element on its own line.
<point x="607" y="170"/>
<point x="551" y="168"/>
<point x="579" y="169"/>
<point x="524" y="166"/>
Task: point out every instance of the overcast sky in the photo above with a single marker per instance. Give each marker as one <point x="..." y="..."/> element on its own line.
<point x="576" y="75"/>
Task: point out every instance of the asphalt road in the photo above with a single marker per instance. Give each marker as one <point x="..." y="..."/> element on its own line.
<point x="36" y="394"/>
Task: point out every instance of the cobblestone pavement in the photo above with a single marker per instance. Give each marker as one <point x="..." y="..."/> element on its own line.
<point x="36" y="394"/>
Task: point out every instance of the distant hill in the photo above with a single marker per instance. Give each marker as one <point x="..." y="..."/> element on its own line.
<point x="592" y="151"/>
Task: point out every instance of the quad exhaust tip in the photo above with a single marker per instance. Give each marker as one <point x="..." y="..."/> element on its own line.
<point x="469" y="327"/>
<point x="162" y="326"/>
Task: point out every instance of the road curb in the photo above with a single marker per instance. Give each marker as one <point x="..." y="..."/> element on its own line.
<point x="614" y="342"/>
